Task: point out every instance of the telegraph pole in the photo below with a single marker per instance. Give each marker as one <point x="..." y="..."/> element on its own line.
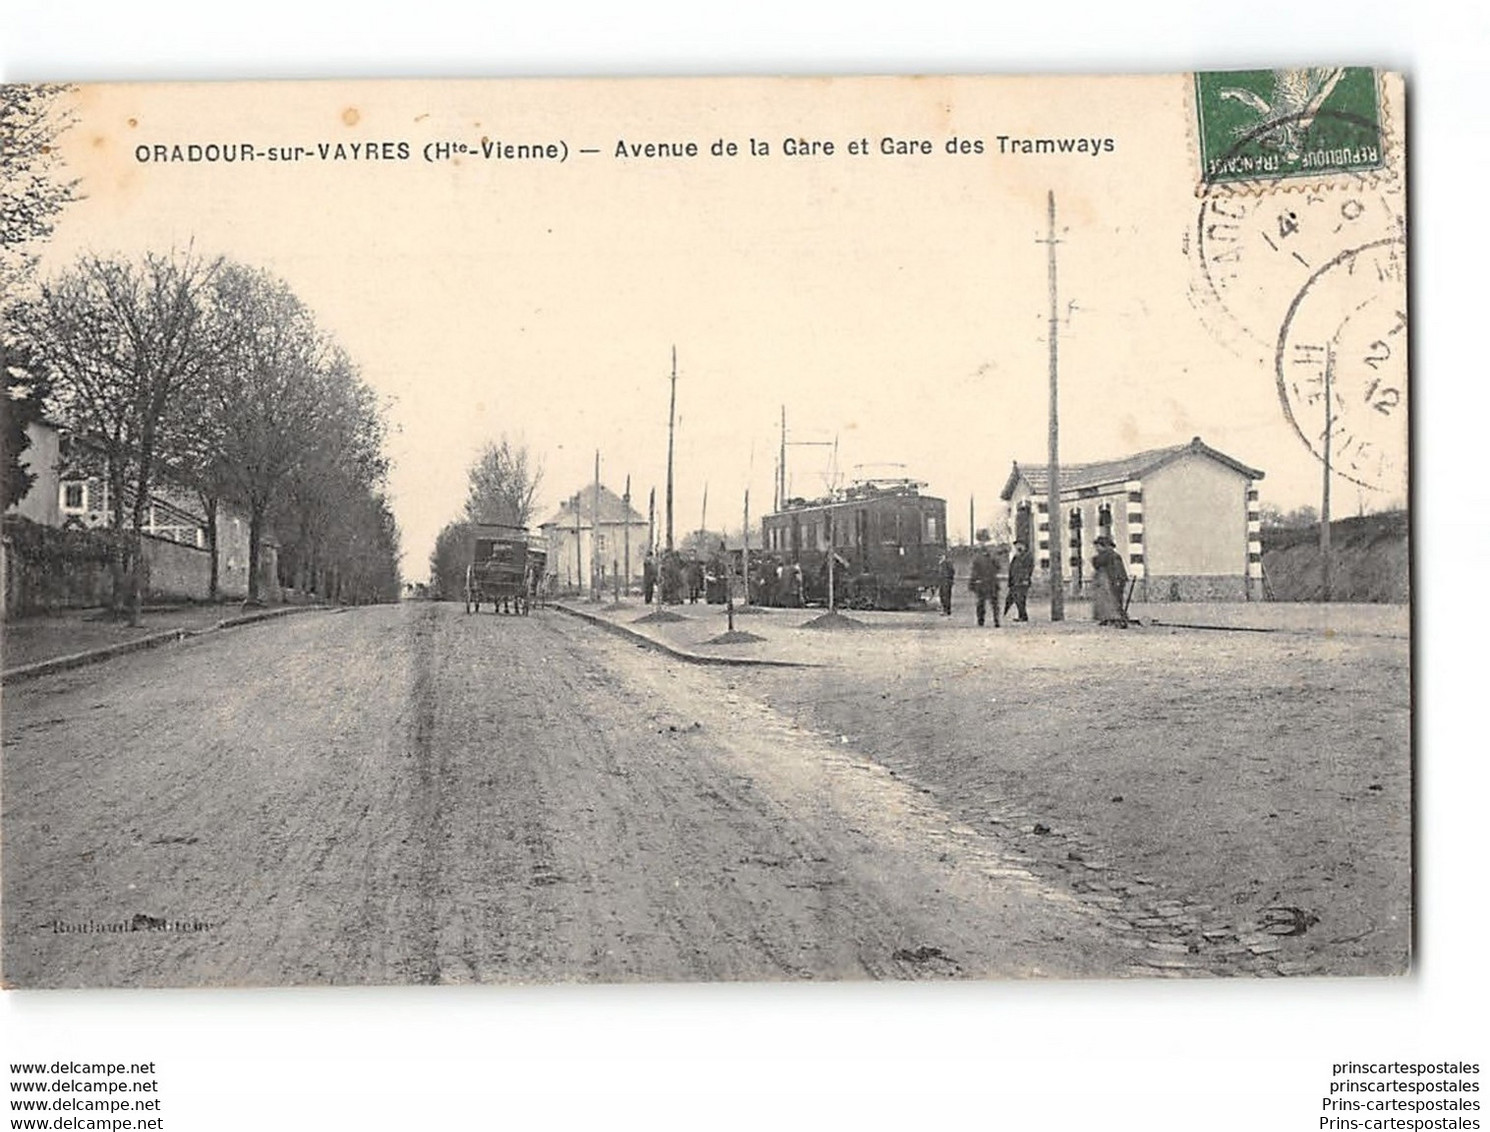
<point x="595" y="565"/>
<point x="672" y="416"/>
<point x="1055" y="538"/>
<point x="579" y="553"/>
<point x="626" y="530"/>
<point x="746" y="558"/>
<point x="832" y="604"/>
<point x="781" y="466"/>
<point x="1327" y="570"/>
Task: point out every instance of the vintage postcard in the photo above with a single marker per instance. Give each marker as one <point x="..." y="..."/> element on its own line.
<point x="706" y="529"/>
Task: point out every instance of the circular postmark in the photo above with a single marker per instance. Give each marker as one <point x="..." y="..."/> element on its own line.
<point x="1254" y="250"/>
<point x="1341" y="364"/>
<point x="1254" y="254"/>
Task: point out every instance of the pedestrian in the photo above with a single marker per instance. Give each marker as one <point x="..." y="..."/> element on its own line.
<point x="695" y="575"/>
<point x="983" y="580"/>
<point x="649" y="578"/>
<point x="671" y="578"/>
<point x="1109" y="585"/>
<point x="1021" y="571"/>
<point x="946" y="575"/>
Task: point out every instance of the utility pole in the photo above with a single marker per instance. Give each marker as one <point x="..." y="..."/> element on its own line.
<point x="672" y="415"/>
<point x="626" y="529"/>
<point x="1055" y="539"/>
<point x="596" y="566"/>
<point x="729" y="571"/>
<point x="703" y="518"/>
<point x="1327" y="570"/>
<point x="781" y="466"/>
<point x="579" y="554"/>
<point x="832" y="605"/>
<point x="746" y="557"/>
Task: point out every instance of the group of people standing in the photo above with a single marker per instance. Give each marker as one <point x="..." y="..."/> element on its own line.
<point x="1108" y="586"/>
<point x="666" y="579"/>
<point x="673" y="579"/>
<point x="983" y="580"/>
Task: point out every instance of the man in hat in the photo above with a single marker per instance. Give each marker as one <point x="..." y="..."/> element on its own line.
<point x="1109" y="583"/>
<point x="649" y="577"/>
<point x="693" y="576"/>
<point x="983" y="580"/>
<point x="1021" y="571"/>
<point x="946" y="575"/>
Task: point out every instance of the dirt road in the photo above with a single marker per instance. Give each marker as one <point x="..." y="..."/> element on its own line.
<point x="1242" y="798"/>
<point x="412" y="795"/>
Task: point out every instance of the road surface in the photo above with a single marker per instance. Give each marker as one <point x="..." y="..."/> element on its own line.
<point x="407" y="794"/>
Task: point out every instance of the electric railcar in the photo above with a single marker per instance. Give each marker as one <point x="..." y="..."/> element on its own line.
<point x="886" y="536"/>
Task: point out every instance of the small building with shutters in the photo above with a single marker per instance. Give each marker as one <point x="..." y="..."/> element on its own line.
<point x="1185" y="519"/>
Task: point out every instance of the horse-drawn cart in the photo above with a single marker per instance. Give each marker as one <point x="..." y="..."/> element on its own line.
<point x="505" y="570"/>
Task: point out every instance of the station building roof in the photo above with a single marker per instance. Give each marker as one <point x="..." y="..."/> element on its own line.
<point x="1103" y="473"/>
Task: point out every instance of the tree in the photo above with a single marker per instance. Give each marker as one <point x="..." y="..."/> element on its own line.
<point x="1275" y="518"/>
<point x="327" y="514"/>
<point x="300" y="434"/>
<point x="121" y="343"/>
<point x="26" y="388"/>
<point x="31" y="196"/>
<point x="31" y="117"/>
<point x="447" y="562"/>
<point x="504" y="483"/>
<point x="193" y="456"/>
<point x="369" y="556"/>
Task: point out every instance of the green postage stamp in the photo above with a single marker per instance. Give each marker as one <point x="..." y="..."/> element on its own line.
<point x="1295" y="122"/>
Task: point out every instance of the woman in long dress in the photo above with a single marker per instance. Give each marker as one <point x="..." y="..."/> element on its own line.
<point x="1109" y="584"/>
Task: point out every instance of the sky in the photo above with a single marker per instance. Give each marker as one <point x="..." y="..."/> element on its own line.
<point x="894" y="305"/>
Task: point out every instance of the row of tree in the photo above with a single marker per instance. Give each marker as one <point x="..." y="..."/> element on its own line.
<point x="213" y="375"/>
<point x="206" y="372"/>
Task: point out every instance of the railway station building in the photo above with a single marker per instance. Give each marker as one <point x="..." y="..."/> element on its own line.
<point x="1185" y="519"/>
<point x="589" y="540"/>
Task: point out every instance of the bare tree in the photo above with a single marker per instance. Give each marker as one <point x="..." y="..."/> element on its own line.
<point x="329" y="502"/>
<point x="300" y="433"/>
<point x="121" y="343"/>
<point x="504" y="483"/>
<point x="268" y="403"/>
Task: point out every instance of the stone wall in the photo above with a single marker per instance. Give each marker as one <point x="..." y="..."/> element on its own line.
<point x="176" y="572"/>
<point x="30" y="587"/>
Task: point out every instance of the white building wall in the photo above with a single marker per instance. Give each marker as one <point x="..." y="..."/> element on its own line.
<point x="1195" y="519"/>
